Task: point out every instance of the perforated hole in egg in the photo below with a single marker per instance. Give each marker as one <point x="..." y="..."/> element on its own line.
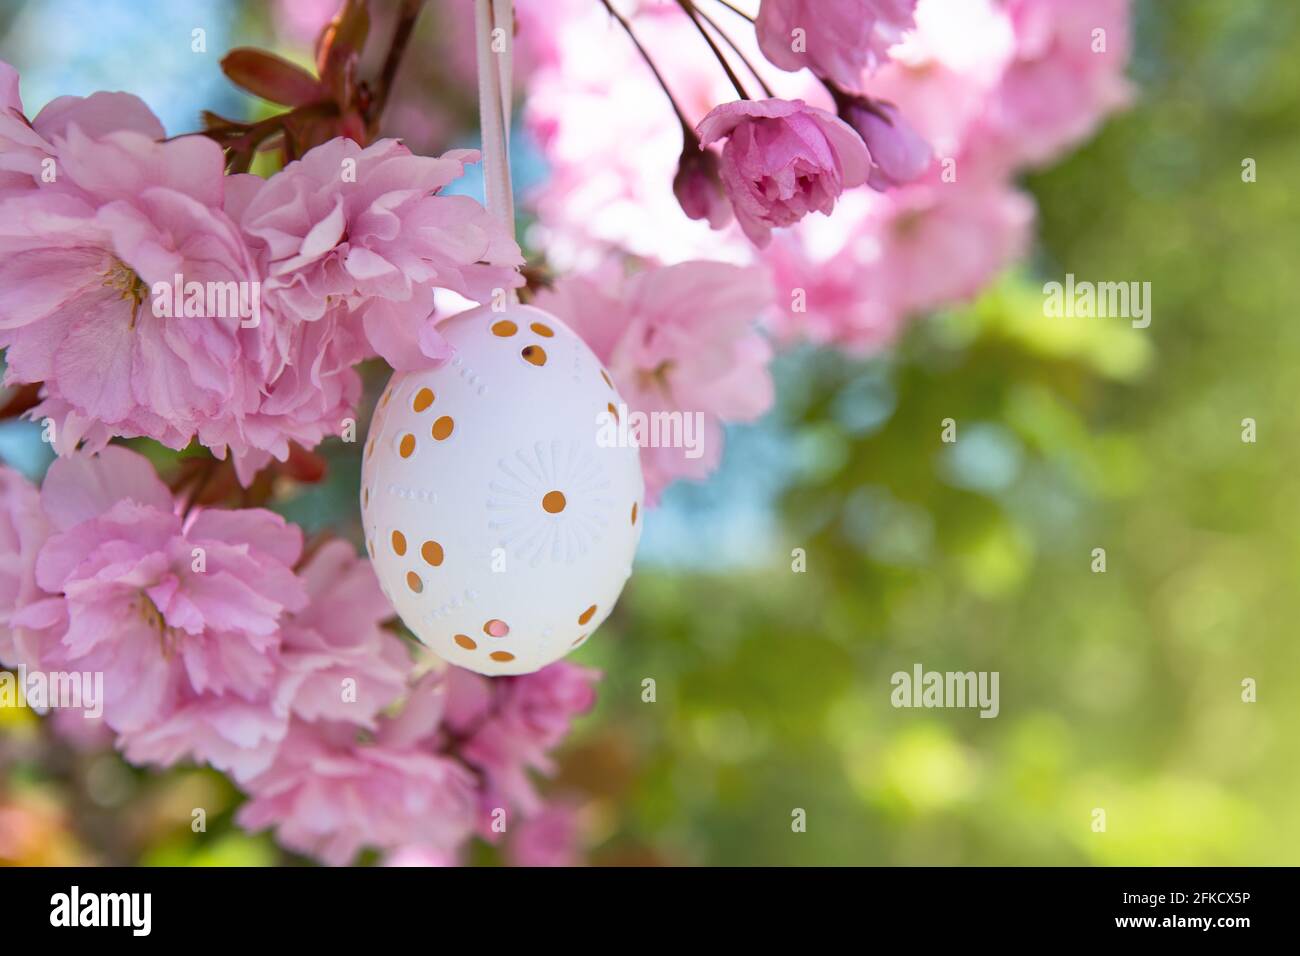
<point x="510" y="526"/>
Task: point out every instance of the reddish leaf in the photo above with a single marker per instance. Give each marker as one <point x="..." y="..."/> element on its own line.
<point x="303" y="465"/>
<point x="306" y="129"/>
<point x="20" y="400"/>
<point x="271" y="77"/>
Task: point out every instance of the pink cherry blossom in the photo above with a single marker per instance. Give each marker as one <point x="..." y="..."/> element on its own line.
<point x="366" y="228"/>
<point x="88" y="252"/>
<point x="26" y="148"/>
<point x="23" y="530"/>
<point x="314" y="391"/>
<point x="178" y="611"/>
<point x="782" y="160"/>
<point x="837" y="39"/>
<point x="75" y="727"/>
<point x="677" y="338"/>
<point x="429" y="776"/>
<point x="21" y="148"/>
<point x="240" y="737"/>
<point x="944" y="242"/>
<point x="510" y="724"/>
<point x="332" y="662"/>
<point x="213" y="649"/>
<point x="829" y="277"/>
<point x="1067" y="74"/>
<point x="330" y="794"/>
<point x="886" y="257"/>
<point x="338" y="638"/>
<point x="76" y="306"/>
<point x="422" y="856"/>
<point x="942" y="77"/>
<point x="550" y="838"/>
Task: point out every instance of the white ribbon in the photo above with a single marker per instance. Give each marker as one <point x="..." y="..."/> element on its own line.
<point x="495" y="78"/>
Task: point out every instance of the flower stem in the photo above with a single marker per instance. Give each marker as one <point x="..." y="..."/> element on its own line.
<point x="767" y="90"/>
<point x="844" y="99"/>
<point x="406" y="17"/>
<point x="627" y="28"/>
<point x="736" y="10"/>
<point x="689" y="7"/>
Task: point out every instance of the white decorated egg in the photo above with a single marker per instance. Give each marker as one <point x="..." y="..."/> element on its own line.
<point x="501" y="527"/>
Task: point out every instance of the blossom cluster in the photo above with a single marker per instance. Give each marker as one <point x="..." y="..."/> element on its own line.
<point x="222" y="641"/>
<point x="935" y="105"/>
<point x="220" y="638"/>
<point x="102" y="219"/>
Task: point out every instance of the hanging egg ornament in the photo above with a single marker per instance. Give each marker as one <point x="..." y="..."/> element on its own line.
<point x="500" y="518"/>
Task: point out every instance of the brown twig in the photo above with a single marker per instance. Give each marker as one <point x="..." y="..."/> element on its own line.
<point x="627" y="28"/>
<point x="736" y="10"/>
<point x="689" y="7"/>
<point x="407" y="14"/>
<point x="767" y="90"/>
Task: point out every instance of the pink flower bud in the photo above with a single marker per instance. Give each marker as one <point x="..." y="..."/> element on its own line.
<point x="698" y="187"/>
<point x="783" y="159"/>
<point x="898" y="153"/>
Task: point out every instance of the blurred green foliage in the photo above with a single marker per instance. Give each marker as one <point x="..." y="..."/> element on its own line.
<point x="1119" y="691"/>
